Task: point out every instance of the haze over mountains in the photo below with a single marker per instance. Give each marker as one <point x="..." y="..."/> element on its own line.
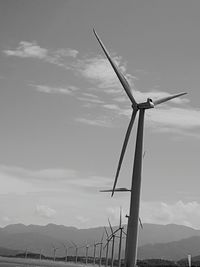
<point x="155" y="241"/>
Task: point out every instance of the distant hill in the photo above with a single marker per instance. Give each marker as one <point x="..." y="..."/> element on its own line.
<point x="155" y="233"/>
<point x="34" y="237"/>
<point x="150" y="234"/>
<point x="173" y="251"/>
<point x="8" y="252"/>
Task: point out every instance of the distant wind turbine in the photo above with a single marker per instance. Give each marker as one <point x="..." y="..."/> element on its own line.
<point x="40" y="254"/>
<point x="121" y="228"/>
<point x="86" y="253"/>
<point x="100" y="250"/>
<point x="66" y="248"/>
<point x="76" y="251"/>
<point x="189" y="260"/>
<point x="107" y="247"/>
<point x="54" y="252"/>
<point x="112" y="237"/>
<point x="132" y="229"/>
<point x="94" y="251"/>
<point x="26" y="253"/>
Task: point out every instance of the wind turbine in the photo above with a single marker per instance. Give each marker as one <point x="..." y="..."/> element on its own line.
<point x="76" y="251"/>
<point x="26" y="253"/>
<point x="86" y="246"/>
<point x="54" y="252"/>
<point x="40" y="254"/>
<point x="189" y="260"/>
<point x="86" y="253"/>
<point x="100" y="250"/>
<point x="107" y="247"/>
<point x="121" y="228"/>
<point x="94" y="252"/>
<point x="66" y="248"/>
<point x="113" y="235"/>
<point x="132" y="229"/>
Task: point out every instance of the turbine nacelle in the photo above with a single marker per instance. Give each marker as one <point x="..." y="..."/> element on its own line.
<point x="146" y="105"/>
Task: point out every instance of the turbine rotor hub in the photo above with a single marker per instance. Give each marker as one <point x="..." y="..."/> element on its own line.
<point x="146" y="105"/>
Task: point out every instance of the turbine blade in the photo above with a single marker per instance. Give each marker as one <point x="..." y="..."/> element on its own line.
<point x="124" y="232"/>
<point x="120" y="189"/>
<point x="107" y="243"/>
<point x="116" y="231"/>
<point x="141" y="225"/>
<point x="164" y="99"/>
<point x="73" y="244"/>
<point x="120" y="218"/>
<point x="110" y="226"/>
<point x="106" y="232"/>
<point x="102" y="238"/>
<point x="130" y="126"/>
<point x="120" y="76"/>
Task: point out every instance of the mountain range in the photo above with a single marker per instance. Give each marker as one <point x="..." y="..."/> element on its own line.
<point x="155" y="241"/>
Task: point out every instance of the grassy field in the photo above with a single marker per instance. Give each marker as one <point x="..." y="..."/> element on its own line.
<point x="18" y="262"/>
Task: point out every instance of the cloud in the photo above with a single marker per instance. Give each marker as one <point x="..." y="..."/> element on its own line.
<point x="82" y="219"/>
<point x="179" y="213"/>
<point x="43" y="174"/>
<point x="6" y="219"/>
<point x="91" y="100"/>
<point x="114" y="214"/>
<point x="55" y="90"/>
<point x="51" y="194"/>
<point x="90" y="95"/>
<point x="112" y="107"/>
<point x="28" y="50"/>
<point x="66" y="52"/>
<point x="99" y="71"/>
<point x="33" y="50"/>
<point x="20" y="180"/>
<point x="176" y="117"/>
<point x="101" y="122"/>
<point x="92" y="181"/>
<point x="45" y="211"/>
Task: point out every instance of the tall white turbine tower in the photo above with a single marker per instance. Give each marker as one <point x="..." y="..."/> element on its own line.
<point x="132" y="230"/>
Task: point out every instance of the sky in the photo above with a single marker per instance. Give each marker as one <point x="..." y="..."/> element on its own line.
<point x="64" y="114"/>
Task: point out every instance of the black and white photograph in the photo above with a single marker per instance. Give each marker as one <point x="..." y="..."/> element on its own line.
<point x="99" y="133"/>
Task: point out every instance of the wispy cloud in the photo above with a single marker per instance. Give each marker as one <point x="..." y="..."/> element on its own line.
<point x="45" y="211"/>
<point x="176" y="117"/>
<point x="6" y="219"/>
<point x="91" y="100"/>
<point x="98" y="70"/>
<point x="48" y="179"/>
<point x="83" y="219"/>
<point x="33" y="50"/>
<point x="28" y="50"/>
<point x="69" y="90"/>
<point x="114" y="214"/>
<point x="90" y="95"/>
<point x="101" y="122"/>
<point x="112" y="107"/>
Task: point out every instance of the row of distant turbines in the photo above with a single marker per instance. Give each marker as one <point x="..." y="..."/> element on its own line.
<point x="105" y="246"/>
